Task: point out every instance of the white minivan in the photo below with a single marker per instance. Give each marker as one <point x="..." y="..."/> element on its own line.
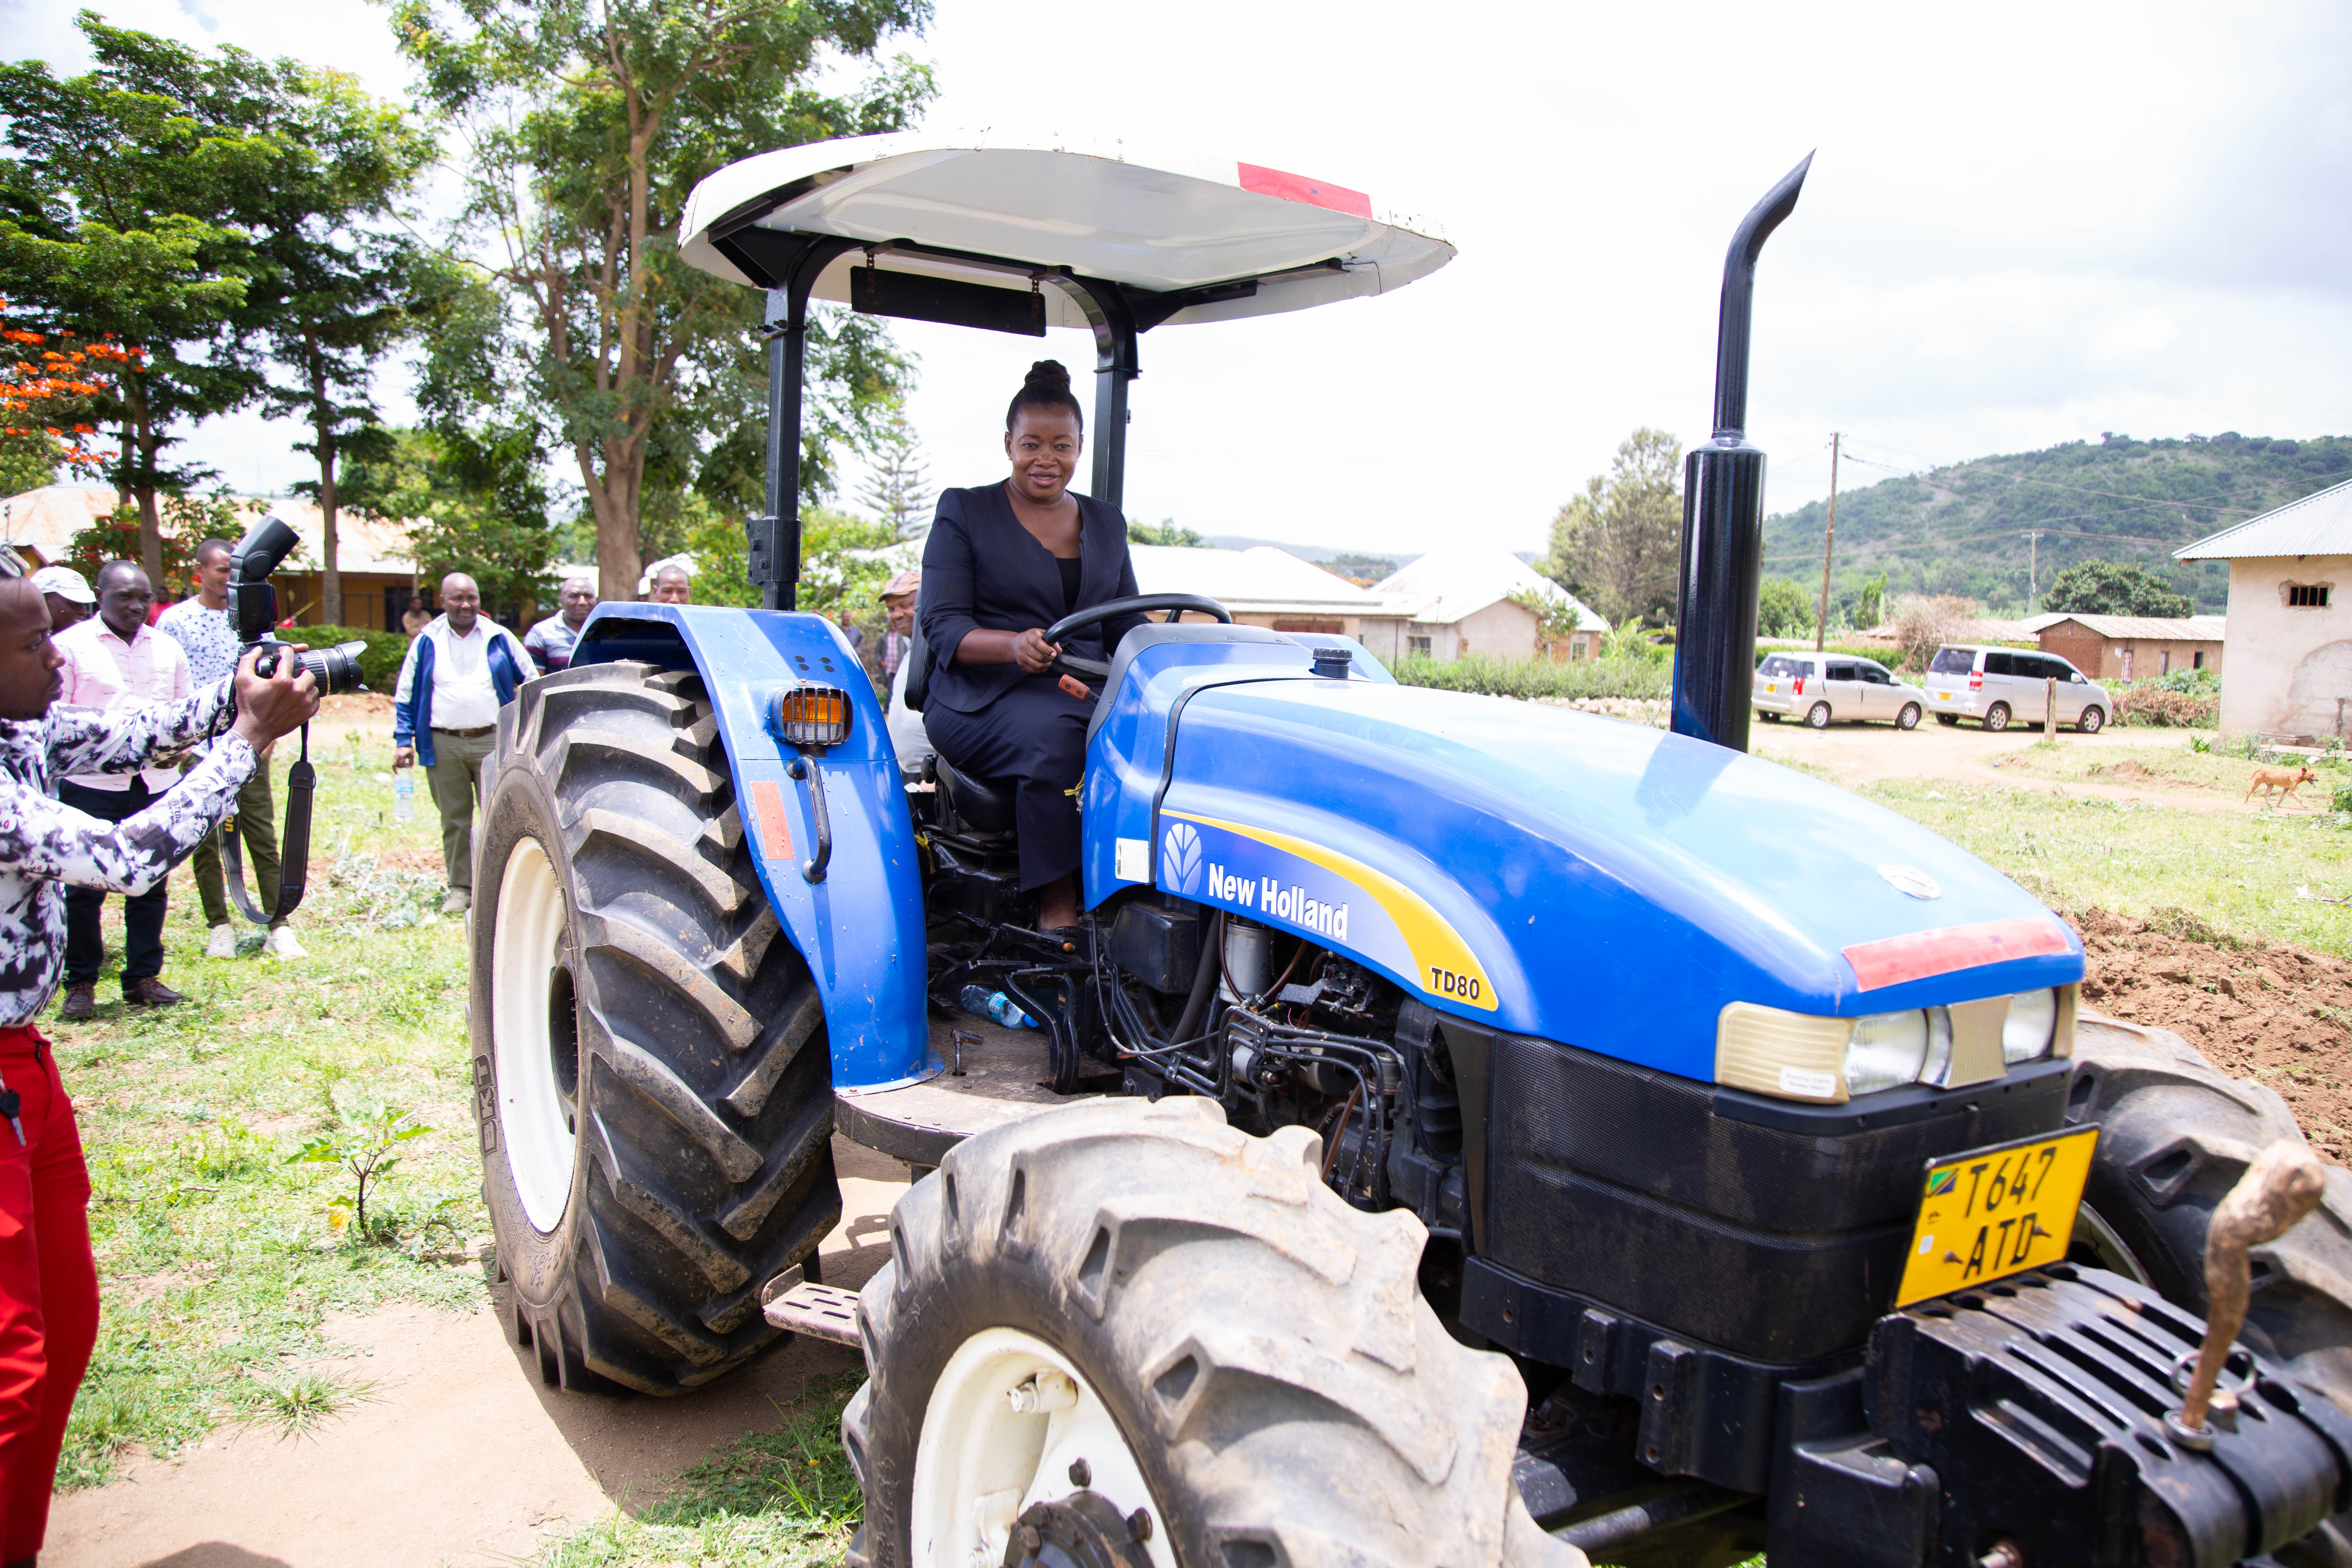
<point x="2000" y="686"/>
<point x="1819" y="687"/>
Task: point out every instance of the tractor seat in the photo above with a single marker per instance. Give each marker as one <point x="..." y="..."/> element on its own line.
<point x="983" y="804"/>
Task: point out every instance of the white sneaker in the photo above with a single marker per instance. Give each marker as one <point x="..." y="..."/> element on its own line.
<point x="281" y="944"/>
<point x="222" y="943"/>
<point x="456" y="902"/>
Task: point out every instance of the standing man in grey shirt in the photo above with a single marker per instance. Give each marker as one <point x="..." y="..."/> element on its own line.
<point x="201" y="627"/>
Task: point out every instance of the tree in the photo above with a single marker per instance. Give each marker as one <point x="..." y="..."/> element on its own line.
<point x="1784" y="609"/>
<point x="840" y="569"/>
<point x="121" y="225"/>
<point x="473" y="501"/>
<point x="898" y="492"/>
<point x="1164" y="531"/>
<point x="328" y="295"/>
<point x="1870" y="608"/>
<point x="1618" y="546"/>
<point x="49" y="385"/>
<point x="1923" y="625"/>
<point x="587" y="124"/>
<point x="2104" y="588"/>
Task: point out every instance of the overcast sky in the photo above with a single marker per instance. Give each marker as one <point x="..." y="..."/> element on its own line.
<point x="2026" y="224"/>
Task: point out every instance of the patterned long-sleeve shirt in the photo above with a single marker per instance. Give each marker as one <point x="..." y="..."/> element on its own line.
<point x="46" y="846"/>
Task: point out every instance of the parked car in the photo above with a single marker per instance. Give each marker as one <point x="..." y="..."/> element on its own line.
<point x="1821" y="687"/>
<point x="2000" y="686"/>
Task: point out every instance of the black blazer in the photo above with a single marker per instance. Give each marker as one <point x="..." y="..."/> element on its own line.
<point x="982" y="570"/>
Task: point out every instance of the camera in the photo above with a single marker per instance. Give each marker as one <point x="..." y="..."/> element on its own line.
<point x="255" y="603"/>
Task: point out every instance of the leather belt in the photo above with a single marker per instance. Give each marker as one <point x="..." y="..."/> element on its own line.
<point x="466" y="734"/>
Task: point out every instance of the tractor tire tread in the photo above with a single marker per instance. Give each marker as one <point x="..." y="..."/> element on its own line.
<point x="1294" y="1399"/>
<point x="706" y="1105"/>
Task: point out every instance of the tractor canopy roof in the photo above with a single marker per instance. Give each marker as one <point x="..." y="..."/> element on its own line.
<point x="1186" y="238"/>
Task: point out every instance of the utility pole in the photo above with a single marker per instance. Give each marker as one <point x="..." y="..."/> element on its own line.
<point x="2032" y="568"/>
<point x="1829" y="541"/>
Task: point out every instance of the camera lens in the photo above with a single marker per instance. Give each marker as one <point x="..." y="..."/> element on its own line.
<point x="336" y="668"/>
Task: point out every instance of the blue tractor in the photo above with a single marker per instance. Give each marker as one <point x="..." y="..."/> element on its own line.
<point x="1460" y="1131"/>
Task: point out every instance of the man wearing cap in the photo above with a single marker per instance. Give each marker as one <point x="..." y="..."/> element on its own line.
<point x="908" y="736"/>
<point x="48" y="1284"/>
<point x="67" y="593"/>
<point x="201" y="627"/>
<point x="550" y="642"/>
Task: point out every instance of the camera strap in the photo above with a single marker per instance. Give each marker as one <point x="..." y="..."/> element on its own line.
<point x="294" y="861"/>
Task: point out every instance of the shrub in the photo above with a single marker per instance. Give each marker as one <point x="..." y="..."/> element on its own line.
<point x="1923" y="625"/>
<point x="1532" y="678"/>
<point x="379" y="666"/>
<point x="2157" y="706"/>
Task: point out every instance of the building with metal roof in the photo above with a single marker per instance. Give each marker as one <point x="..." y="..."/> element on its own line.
<point x="1457" y="601"/>
<point x="2289" y="645"/>
<point x="2135" y="648"/>
<point x="1265" y="587"/>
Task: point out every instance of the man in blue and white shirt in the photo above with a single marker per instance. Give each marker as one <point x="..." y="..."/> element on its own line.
<point x="461" y="669"/>
<point x="201" y="627"/>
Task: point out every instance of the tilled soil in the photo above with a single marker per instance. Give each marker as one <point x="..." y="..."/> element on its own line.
<point x="2277" y="1014"/>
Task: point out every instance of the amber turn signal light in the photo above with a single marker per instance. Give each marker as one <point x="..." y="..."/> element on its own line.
<point x="813" y="716"/>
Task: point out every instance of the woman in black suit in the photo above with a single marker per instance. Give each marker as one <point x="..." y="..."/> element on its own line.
<point x="1002" y="563"/>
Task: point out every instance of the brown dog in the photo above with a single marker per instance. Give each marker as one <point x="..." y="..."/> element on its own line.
<point x="2284" y="780"/>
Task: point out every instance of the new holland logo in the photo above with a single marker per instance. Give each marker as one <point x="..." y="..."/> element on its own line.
<point x="1180" y="856"/>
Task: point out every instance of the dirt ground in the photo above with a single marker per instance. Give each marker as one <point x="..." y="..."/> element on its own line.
<point x="459" y="1455"/>
<point x="2272" y="1013"/>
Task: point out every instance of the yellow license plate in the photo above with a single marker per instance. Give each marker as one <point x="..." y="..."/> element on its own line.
<point x="1943" y="697"/>
<point x="1990" y="1212"/>
<point x="1771" y="688"/>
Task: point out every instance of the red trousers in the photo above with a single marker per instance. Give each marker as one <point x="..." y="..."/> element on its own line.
<point x="48" y="1286"/>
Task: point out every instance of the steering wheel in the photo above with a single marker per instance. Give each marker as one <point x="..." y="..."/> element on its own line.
<point x="1093" y="673"/>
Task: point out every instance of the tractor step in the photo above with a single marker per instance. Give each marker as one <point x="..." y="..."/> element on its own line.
<point x="817" y="1312"/>
<point x="989" y="1077"/>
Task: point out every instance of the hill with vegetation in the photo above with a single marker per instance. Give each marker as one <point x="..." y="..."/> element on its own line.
<point x="1969" y="529"/>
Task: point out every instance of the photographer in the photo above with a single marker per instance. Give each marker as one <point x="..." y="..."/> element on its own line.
<point x="48" y="1284"/>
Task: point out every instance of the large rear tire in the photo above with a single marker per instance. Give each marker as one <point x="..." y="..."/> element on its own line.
<point x="652" y="1078"/>
<point x="1251" y="1357"/>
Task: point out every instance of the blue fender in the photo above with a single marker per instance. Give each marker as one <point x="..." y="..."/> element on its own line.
<point x="861" y="929"/>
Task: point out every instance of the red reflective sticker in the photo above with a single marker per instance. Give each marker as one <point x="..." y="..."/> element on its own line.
<point x="1896" y="959"/>
<point x="775" y="827"/>
<point x="1300" y="188"/>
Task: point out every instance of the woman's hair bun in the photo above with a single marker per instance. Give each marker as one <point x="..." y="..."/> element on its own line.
<point x="1047" y="386"/>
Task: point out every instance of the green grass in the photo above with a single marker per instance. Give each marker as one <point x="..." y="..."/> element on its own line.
<point x="219" y="1262"/>
<point x="2252" y="876"/>
<point x="1537" y="677"/>
<point x="783" y="1498"/>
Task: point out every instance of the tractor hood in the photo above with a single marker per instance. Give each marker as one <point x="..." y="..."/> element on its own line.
<point x="1551" y="872"/>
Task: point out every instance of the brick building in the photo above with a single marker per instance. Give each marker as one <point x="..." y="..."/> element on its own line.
<point x="2134" y="647"/>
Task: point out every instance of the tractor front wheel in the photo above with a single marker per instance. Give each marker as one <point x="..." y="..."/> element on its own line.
<point x="1121" y="1334"/>
<point x="651" y="1076"/>
<point x="2175" y="1134"/>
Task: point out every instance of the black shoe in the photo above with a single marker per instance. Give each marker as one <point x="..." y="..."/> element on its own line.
<point x="81" y="1001"/>
<point x="150" y="992"/>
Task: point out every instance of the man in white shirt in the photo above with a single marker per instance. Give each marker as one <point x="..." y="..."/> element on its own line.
<point x="201" y="627"/>
<point x="116" y="660"/>
<point x="460" y="670"/>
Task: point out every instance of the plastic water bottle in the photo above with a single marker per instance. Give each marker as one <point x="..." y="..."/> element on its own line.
<point x="997" y="1005"/>
<point x="404" y="795"/>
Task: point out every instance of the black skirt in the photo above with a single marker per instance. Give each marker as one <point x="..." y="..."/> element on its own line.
<point x="1031" y="739"/>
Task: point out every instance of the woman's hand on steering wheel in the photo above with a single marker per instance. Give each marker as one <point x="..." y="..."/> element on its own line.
<point x="1033" y="652"/>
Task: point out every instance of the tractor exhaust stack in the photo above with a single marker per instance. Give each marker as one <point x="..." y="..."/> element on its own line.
<point x="1723" y="511"/>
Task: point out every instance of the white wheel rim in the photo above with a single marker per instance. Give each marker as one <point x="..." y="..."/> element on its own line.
<point x="980" y="1464"/>
<point x="527" y="949"/>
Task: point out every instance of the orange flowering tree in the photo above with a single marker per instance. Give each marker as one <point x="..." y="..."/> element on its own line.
<point x="49" y="384"/>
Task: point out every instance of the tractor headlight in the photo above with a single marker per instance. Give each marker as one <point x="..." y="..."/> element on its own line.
<point x="2029" y="1031"/>
<point x="1800" y="1056"/>
<point x="1886" y="1051"/>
